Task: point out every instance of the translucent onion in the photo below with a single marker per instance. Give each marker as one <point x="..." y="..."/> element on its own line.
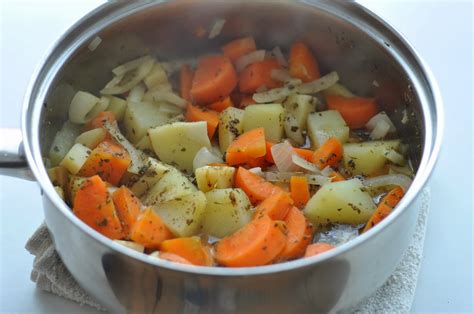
<point x="327" y="171"/>
<point x="303" y="163"/>
<point x="318" y="85"/>
<point x="390" y="179"/>
<point x="380" y="131"/>
<point x="279" y="56"/>
<point x="130" y="66"/>
<point x="271" y="95"/>
<point x="258" y="171"/>
<point x="216" y="28"/>
<point x="252" y="57"/>
<point x="282" y="154"/>
<point x="136" y="94"/>
<point x="370" y="125"/>
<point x="281" y="176"/>
<point x="316" y="179"/>
<point x="170" y="97"/>
<point x="81" y="105"/>
<point x="395" y="157"/>
<point x="94" y="43"/>
<point x="403" y="170"/>
<point x="138" y="157"/>
<point x="205" y="157"/>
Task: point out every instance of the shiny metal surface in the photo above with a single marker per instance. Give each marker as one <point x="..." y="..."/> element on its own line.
<point x="346" y="38"/>
<point x="12" y="157"/>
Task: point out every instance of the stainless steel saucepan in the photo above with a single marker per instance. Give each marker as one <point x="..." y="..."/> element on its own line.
<point x="371" y="58"/>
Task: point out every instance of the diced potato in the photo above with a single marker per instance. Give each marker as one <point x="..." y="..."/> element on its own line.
<point x="227" y="211"/>
<point x="172" y="184"/>
<point x="140" y="116"/>
<point x="177" y="143"/>
<point x="154" y="172"/>
<point x="344" y="202"/>
<point x="131" y="245"/>
<point x="74" y="185"/>
<point x="118" y="106"/>
<point x="92" y="138"/>
<point x="367" y="158"/>
<point x="144" y="144"/>
<point x="268" y="116"/>
<point x="63" y="142"/>
<point x="231" y="125"/>
<point x="210" y="177"/>
<point x="59" y="177"/>
<point x="156" y="77"/>
<point x="183" y="215"/>
<point x="75" y="158"/>
<point x="325" y="124"/>
<point x="297" y="109"/>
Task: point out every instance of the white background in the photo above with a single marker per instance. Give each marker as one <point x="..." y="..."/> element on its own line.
<point x="441" y="31"/>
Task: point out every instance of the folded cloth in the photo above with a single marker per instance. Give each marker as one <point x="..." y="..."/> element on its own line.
<point x="395" y="296"/>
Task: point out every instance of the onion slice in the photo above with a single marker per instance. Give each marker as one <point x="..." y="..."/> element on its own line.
<point x="281" y="176"/>
<point x="271" y="95"/>
<point x="390" y="179"/>
<point x="205" y="157"/>
<point x="316" y="179"/>
<point x="216" y="28"/>
<point x="327" y="171"/>
<point x="94" y="43"/>
<point x="395" y="157"/>
<point x="170" y="97"/>
<point x="279" y="56"/>
<point x="258" y="171"/>
<point x="282" y="154"/>
<point x="380" y="131"/>
<point x="303" y="163"/>
<point x="138" y="157"/>
<point x="252" y="57"/>
<point x="371" y="124"/>
<point x="318" y="85"/>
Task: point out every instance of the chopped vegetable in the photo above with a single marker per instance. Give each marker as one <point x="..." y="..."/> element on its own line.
<point x="75" y="158"/>
<point x="205" y="157"/>
<point x="249" y="58"/>
<point x="303" y="64"/>
<point x="318" y="85"/>
<point x="128" y="208"/>
<point x="328" y="154"/>
<point x="299" y="234"/>
<point x="170" y="257"/>
<point x="318" y="248"/>
<point x="385" y="207"/>
<point x="221" y="105"/>
<point x="258" y="74"/>
<point x="388" y="180"/>
<point x="251" y="144"/>
<point x="231" y="125"/>
<point x="356" y="111"/>
<point x="275" y="206"/>
<point x="194" y="113"/>
<point x="299" y="188"/>
<point x="254" y="186"/>
<point x="185" y="82"/>
<point x="190" y="249"/>
<point x="214" y="177"/>
<point x="267" y="116"/>
<point x="150" y="230"/>
<point x="239" y="47"/>
<point x="99" y="120"/>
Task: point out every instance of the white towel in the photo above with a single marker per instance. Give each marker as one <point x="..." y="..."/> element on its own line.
<point x="395" y="296"/>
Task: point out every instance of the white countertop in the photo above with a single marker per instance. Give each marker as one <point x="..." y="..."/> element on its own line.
<point x="441" y="31"/>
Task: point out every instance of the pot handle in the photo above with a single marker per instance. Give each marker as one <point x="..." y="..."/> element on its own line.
<point x="12" y="157"/>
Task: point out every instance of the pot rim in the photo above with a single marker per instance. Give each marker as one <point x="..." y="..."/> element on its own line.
<point x="36" y="91"/>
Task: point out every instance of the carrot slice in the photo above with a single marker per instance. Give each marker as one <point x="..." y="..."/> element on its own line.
<point x="336" y="177"/>
<point x="302" y="63"/>
<point x="239" y="47"/>
<point x="275" y="206"/>
<point x="100" y="120"/>
<point x="329" y="154"/>
<point x="318" y="248"/>
<point x="299" y="189"/>
<point x="214" y="79"/>
<point x="249" y="145"/>
<point x="190" y="248"/>
<point x="221" y="105"/>
<point x="304" y="153"/>
<point x="185" y="81"/>
<point x="256" y="188"/>
<point x="257" y="162"/>
<point x="246" y="100"/>
<point x="108" y="160"/>
<point x="195" y="113"/>
<point x="299" y="235"/>
<point x="150" y="230"/>
<point x="174" y="258"/>
<point x="385" y="207"/>
<point x="257" y="243"/>
<point x="356" y="111"/>
<point x="258" y="74"/>
<point x="128" y="208"/>
<point x="92" y="205"/>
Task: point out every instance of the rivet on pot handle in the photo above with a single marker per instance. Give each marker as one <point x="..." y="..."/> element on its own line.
<point x="12" y="158"/>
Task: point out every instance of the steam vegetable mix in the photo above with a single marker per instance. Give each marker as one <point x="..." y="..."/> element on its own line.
<point x="243" y="157"/>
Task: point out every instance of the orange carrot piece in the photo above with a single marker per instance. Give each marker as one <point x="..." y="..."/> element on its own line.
<point x="318" y="248"/>
<point x="150" y="230"/>
<point x="239" y="47"/>
<point x="258" y="74"/>
<point x="299" y="189"/>
<point x="221" y="105"/>
<point x="302" y="63"/>
<point x="385" y="207"/>
<point x="256" y="188"/>
<point x="174" y="258"/>
<point x="192" y="249"/>
<point x="250" y="144"/>
<point x="304" y="153"/>
<point x="128" y="208"/>
<point x="108" y="160"/>
<point x="92" y="205"/>
<point x="257" y="162"/>
<point x="246" y="100"/>
<point x="214" y="79"/>
<point x="328" y="154"/>
<point x="185" y="81"/>
<point x="257" y="243"/>
<point x="299" y="235"/>
<point x="356" y="111"/>
<point x="275" y="206"/>
<point x="336" y="177"/>
<point x="100" y="120"/>
<point x="195" y="113"/>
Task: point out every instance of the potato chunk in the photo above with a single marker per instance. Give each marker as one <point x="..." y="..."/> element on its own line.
<point x="231" y="125"/>
<point x="325" y="124"/>
<point x="297" y="109"/>
<point x="154" y="172"/>
<point x="267" y="116"/>
<point x="344" y="202"/>
<point x="367" y="158"/>
<point x="227" y="211"/>
<point x="140" y="116"/>
<point x="210" y="177"/>
<point x="177" y="143"/>
<point x="171" y="185"/>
